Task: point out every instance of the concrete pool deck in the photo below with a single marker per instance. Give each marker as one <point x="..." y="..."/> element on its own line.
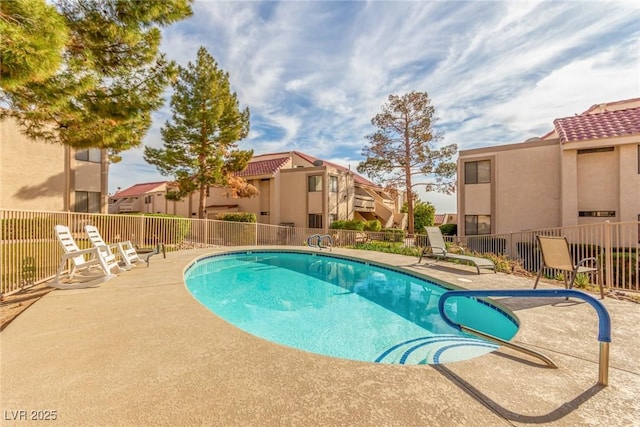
<point x="140" y="350"/>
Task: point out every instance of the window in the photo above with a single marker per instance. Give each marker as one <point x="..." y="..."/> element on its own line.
<point x="599" y="214"/>
<point x="148" y="199"/>
<point x="87" y="201"/>
<point x="475" y="225"/>
<point x="89" y="155"/>
<point x="315" y="183"/>
<point x="333" y="184"/>
<point x="477" y="172"/>
<point x="315" y="221"/>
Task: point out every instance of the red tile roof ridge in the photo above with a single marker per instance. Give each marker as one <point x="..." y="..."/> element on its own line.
<point x="601" y="125"/>
<point x="590" y="111"/>
<point x="264" y="167"/>
<point x="139" y="189"/>
<point x="613" y="103"/>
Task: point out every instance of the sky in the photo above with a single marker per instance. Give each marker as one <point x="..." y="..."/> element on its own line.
<point x="314" y="73"/>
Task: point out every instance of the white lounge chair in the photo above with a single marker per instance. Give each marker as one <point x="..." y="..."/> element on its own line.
<point x="128" y="254"/>
<point x="437" y="249"/>
<point x="80" y="262"/>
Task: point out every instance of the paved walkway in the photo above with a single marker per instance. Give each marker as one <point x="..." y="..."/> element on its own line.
<point x="140" y="350"/>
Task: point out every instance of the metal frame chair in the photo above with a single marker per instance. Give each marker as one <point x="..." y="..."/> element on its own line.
<point x="556" y="254"/>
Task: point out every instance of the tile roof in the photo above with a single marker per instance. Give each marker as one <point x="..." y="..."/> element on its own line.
<point x="608" y="124"/>
<point x="438" y="219"/>
<point x="269" y="169"/>
<point x="264" y="167"/>
<point x="139" y="189"/>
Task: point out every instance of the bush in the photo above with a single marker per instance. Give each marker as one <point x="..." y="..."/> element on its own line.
<point x="338" y="225"/>
<point x="388" y="248"/>
<point x="353" y="224"/>
<point x="174" y="229"/>
<point x="373" y="225"/>
<point x="393" y="234"/>
<point x="240" y="234"/>
<point x="239" y="217"/>
<point x="449" y="229"/>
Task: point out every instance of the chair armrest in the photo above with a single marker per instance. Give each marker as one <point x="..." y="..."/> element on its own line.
<point x="584" y="260"/>
<point x="437" y="250"/>
<point x="93" y="251"/>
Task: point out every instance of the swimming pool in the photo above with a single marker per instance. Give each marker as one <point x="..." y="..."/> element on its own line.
<point x="343" y="307"/>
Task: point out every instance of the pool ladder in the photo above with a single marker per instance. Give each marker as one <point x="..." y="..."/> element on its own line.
<point x="604" y="321"/>
<point x="320" y="241"/>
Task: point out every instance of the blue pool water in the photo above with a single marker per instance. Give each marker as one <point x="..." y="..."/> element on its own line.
<point x="342" y="308"/>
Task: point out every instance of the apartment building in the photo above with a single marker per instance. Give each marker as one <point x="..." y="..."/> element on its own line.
<point x="35" y="175"/>
<point x="586" y="170"/>
<point x="294" y="189"/>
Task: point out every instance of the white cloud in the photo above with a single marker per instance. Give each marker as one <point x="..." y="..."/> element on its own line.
<point x="314" y="73"/>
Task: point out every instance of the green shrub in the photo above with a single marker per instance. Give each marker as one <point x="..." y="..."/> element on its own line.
<point x="373" y="225"/>
<point x="389" y="248"/>
<point x="174" y="229"/>
<point x="393" y="234"/>
<point x="338" y="225"/>
<point x="353" y="224"/>
<point x="240" y="234"/>
<point x="239" y="217"/>
<point x="582" y="281"/>
<point x="449" y="229"/>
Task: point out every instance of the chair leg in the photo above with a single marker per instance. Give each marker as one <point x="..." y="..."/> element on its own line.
<point x="599" y="281"/>
<point x="535" y="285"/>
<point x="570" y="284"/>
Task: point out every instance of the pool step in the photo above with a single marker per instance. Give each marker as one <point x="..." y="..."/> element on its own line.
<point x="435" y="349"/>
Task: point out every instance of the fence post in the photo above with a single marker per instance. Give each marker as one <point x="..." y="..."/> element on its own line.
<point x="608" y="256"/>
<point x="255" y="234"/>
<point x="141" y="233"/>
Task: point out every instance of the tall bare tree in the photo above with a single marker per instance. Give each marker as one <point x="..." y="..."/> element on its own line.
<point x="402" y="153"/>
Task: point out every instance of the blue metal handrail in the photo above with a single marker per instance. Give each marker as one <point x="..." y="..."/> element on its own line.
<point x="604" y="320"/>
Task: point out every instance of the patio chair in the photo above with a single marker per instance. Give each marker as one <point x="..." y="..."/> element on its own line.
<point x="556" y="254"/>
<point x="438" y="250"/>
<point x="128" y="254"/>
<point x="79" y="261"/>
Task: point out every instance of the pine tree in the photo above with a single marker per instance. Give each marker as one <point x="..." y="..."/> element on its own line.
<point x="200" y="141"/>
<point x="33" y="36"/>
<point x="111" y="78"/>
<point x="403" y="148"/>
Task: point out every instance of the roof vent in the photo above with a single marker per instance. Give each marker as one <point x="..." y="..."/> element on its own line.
<point x="317" y="163"/>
